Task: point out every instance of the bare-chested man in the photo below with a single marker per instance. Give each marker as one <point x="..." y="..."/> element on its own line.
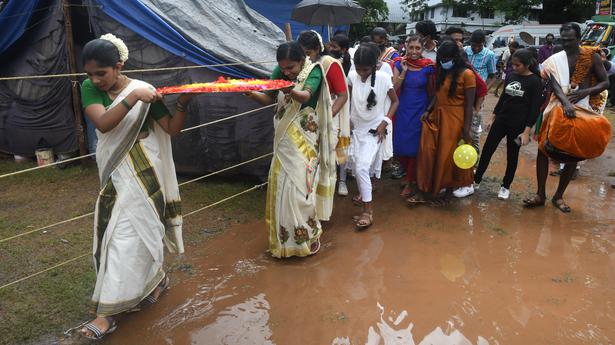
<point x="569" y="89"/>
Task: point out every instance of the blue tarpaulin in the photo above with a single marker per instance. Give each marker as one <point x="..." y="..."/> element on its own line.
<point x="280" y="11"/>
<point x="14" y="20"/>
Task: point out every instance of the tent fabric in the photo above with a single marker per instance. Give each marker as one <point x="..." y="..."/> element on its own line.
<point x="14" y="19"/>
<point x="208" y="148"/>
<point x="37" y="113"/>
<point x="228" y="29"/>
<point x="280" y="11"/>
<point x="206" y="23"/>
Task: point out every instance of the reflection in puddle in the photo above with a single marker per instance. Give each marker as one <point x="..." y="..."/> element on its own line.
<point x="451" y="267"/>
<point x="244" y="323"/>
<point x="389" y="332"/>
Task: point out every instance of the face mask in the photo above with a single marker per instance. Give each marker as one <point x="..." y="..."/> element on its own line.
<point x="447" y="65"/>
<point x="336" y="54"/>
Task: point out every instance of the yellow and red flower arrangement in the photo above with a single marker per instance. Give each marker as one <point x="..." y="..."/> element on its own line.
<point x="228" y="85"/>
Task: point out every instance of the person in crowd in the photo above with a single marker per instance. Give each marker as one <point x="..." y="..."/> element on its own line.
<point x="313" y="47"/>
<point x="577" y="77"/>
<point x="138" y="208"/>
<point x="426" y="29"/>
<point x="302" y="154"/>
<point x="456" y="34"/>
<point x="387" y="54"/>
<point x="484" y="64"/>
<point x="414" y="81"/>
<point x="444" y="126"/>
<point x="338" y="48"/>
<point x="507" y="65"/>
<point x="514" y="116"/>
<point x="546" y="50"/>
<point x="376" y="169"/>
<point x="369" y="89"/>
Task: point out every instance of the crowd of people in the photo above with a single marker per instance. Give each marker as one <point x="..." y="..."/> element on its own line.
<point x="348" y="111"/>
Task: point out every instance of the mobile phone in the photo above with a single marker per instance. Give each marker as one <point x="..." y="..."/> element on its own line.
<point x="518" y="141"/>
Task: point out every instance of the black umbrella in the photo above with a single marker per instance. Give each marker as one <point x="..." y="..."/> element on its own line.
<point x="328" y="12"/>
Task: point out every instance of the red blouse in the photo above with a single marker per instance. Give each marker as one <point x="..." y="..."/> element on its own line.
<point x="336" y="79"/>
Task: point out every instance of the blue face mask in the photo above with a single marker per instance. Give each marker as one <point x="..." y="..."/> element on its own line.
<point x="447" y="65"/>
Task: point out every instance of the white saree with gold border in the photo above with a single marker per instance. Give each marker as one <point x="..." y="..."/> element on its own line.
<point x="138" y="209"/>
<point x="302" y="157"/>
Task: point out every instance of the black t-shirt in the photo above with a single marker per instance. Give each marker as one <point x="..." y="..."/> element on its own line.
<point x="520" y="102"/>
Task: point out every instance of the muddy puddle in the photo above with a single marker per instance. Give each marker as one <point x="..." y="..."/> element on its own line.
<point x="482" y="271"/>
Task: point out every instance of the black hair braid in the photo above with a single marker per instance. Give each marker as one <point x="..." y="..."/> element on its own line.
<point x="346" y="63"/>
<point x="371" y="99"/>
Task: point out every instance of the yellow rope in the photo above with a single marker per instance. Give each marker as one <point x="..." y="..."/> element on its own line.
<point x="226" y="118"/>
<point x="225" y="169"/>
<point x="93" y="154"/>
<point x="86" y="254"/>
<point x="92" y="213"/>
<point x="43" y="271"/>
<point x="46" y="165"/>
<point x="161" y="69"/>
<point x="225" y="199"/>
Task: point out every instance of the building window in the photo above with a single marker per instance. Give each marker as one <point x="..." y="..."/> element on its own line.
<point x="432" y="13"/>
<point x="460" y="11"/>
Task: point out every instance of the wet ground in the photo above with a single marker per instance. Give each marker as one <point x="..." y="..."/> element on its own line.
<point x="482" y="271"/>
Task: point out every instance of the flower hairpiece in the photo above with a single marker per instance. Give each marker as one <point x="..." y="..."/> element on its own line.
<point x="119" y="44"/>
<point x="322" y="45"/>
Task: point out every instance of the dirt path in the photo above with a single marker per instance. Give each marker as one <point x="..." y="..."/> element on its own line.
<point x="482" y="271"/>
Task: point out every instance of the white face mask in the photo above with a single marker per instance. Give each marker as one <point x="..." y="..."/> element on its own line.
<point x="447" y="65"/>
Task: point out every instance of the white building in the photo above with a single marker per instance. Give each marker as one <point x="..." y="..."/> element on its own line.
<point x="447" y="16"/>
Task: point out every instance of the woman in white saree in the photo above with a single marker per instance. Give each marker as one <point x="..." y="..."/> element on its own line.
<point x="138" y="208"/>
<point x="304" y="154"/>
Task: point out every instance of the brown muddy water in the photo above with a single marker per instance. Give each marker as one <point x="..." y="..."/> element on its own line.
<point x="482" y="271"/>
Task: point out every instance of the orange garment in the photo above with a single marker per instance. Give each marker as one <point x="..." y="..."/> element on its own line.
<point x="440" y="135"/>
<point x="583" y="137"/>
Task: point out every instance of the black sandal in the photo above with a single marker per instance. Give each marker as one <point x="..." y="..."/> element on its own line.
<point x="164" y="285"/>
<point x="534" y="201"/>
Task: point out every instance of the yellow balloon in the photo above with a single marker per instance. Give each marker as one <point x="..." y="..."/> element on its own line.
<point x="465" y="156"/>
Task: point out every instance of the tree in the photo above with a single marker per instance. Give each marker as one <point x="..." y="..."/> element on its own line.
<point x="375" y="12"/>
<point x="559" y="11"/>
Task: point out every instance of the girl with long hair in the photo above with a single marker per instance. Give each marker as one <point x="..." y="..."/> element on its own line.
<point x="447" y="125"/>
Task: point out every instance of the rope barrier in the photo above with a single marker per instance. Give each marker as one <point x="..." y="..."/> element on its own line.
<point x="223" y="170"/>
<point x="93" y="154"/>
<point x="161" y="69"/>
<point x="92" y="213"/>
<point x="86" y="254"/>
<point x="258" y="186"/>
<point x="46" y="165"/>
<point x="43" y="271"/>
<point x="226" y="118"/>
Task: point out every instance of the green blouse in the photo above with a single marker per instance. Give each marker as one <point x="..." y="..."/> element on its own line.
<point x="91" y="95"/>
<point x="313" y="82"/>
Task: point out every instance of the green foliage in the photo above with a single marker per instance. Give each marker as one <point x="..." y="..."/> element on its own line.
<point x="375" y="12"/>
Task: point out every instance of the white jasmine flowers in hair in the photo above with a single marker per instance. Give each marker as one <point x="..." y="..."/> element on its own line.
<point x="322" y="45"/>
<point x="119" y="44"/>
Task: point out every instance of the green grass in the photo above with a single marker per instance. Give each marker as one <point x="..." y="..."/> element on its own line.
<point x="46" y="305"/>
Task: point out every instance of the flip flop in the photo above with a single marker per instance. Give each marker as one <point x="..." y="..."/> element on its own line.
<point x="357" y="200"/>
<point x="99" y="334"/>
<point x="561" y="205"/>
<point x="164" y="285"/>
<point x="415" y="199"/>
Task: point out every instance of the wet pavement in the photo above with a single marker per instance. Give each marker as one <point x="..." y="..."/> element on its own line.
<point x="481" y="271"/>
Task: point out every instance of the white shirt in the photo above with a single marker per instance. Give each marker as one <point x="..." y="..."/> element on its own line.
<point x="364" y="119"/>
